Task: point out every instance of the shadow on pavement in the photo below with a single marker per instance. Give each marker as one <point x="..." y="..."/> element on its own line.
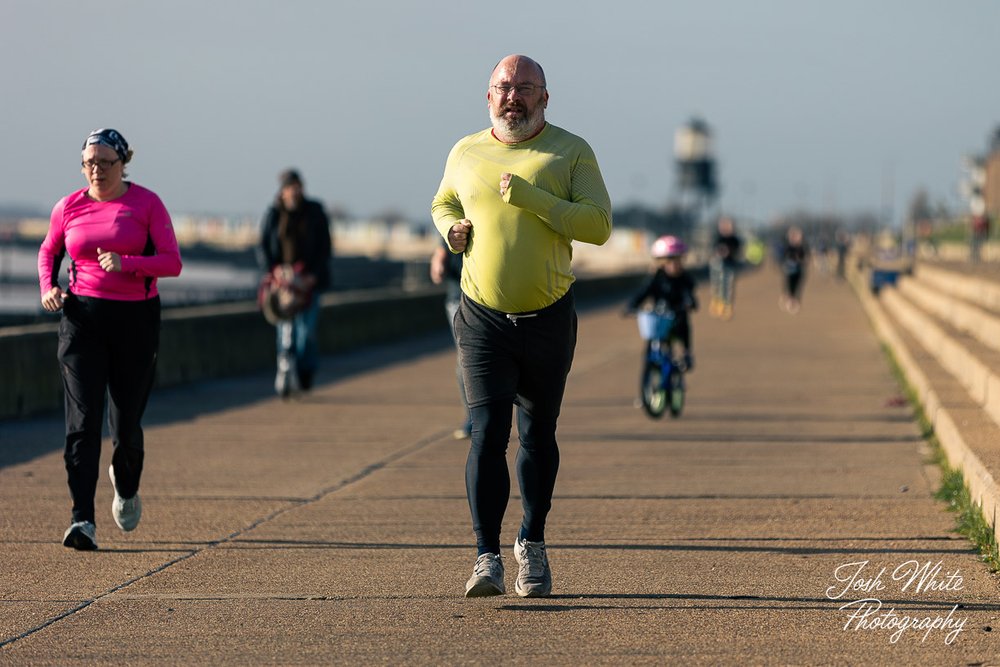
<point x="24" y="440"/>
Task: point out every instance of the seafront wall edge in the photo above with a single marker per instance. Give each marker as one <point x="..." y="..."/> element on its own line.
<point x="224" y="340"/>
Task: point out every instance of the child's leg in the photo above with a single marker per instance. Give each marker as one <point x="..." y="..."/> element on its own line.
<point x="682" y="333"/>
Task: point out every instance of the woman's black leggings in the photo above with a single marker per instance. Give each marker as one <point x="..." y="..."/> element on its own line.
<point x="106" y="347"/>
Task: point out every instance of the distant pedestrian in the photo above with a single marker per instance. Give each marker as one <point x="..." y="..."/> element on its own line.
<point x="722" y="266"/>
<point x="119" y="239"/>
<point x="980" y="234"/>
<point x="513" y="199"/>
<point x="843" y="243"/>
<point x="446" y="267"/>
<point x="792" y="258"/>
<point x="294" y="253"/>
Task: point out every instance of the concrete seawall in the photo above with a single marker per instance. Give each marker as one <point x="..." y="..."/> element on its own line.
<point x="215" y="341"/>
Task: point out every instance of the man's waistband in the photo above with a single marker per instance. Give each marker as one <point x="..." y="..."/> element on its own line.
<point x="566" y="301"/>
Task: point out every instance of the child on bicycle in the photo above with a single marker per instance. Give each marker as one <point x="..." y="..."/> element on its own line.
<point x="670" y="289"/>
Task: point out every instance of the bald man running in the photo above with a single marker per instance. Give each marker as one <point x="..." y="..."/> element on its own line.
<point x="513" y="199"/>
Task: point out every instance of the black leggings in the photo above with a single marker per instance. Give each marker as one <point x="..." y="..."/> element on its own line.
<point x="793" y="283"/>
<point x="520" y="362"/>
<point x="106" y="347"/>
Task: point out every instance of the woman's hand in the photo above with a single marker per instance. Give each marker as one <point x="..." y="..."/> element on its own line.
<point x="52" y="301"/>
<point x="110" y="261"/>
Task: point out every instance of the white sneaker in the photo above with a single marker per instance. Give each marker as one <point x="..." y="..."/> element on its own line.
<point x="487" y="577"/>
<point x="81" y="535"/>
<point x="534" y="577"/>
<point x="126" y="511"/>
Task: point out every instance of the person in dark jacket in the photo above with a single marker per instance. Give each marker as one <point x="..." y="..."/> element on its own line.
<point x="295" y="246"/>
<point x="793" y="257"/>
<point x="722" y="268"/>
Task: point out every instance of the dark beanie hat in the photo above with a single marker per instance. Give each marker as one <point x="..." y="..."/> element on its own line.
<point x="289" y="177"/>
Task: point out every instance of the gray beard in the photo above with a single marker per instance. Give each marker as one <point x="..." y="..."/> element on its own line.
<point x="519" y="129"/>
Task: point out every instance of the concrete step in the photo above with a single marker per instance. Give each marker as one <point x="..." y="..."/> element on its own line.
<point x="975" y="366"/>
<point x="977" y="284"/>
<point x="937" y="336"/>
<point x="944" y="295"/>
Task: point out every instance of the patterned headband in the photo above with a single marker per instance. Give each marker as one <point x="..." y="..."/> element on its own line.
<point x="110" y="138"/>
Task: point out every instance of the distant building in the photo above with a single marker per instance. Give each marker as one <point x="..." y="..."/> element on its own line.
<point x="991" y="178"/>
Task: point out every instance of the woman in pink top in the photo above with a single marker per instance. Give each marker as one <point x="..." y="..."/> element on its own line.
<point x="119" y="240"/>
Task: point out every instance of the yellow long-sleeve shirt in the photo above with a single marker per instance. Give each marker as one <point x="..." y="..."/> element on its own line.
<point x="520" y="250"/>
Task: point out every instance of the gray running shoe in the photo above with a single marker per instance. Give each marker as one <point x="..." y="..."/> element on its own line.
<point x="126" y="511"/>
<point x="487" y="577"/>
<point x="534" y="578"/>
<point x="81" y="535"/>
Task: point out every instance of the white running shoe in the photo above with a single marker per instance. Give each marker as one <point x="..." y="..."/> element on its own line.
<point x="487" y="577"/>
<point x="534" y="577"/>
<point x="81" y="535"/>
<point x="126" y="511"/>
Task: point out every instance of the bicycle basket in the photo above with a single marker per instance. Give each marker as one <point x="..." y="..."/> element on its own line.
<point x="654" y="326"/>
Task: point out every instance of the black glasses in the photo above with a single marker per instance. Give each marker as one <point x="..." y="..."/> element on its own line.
<point x="103" y="164"/>
<point x="522" y="88"/>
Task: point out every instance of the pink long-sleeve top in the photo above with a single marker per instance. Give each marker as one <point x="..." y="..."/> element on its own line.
<point x="135" y="225"/>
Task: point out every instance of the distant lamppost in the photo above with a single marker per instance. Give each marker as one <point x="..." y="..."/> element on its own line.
<point x="695" y="160"/>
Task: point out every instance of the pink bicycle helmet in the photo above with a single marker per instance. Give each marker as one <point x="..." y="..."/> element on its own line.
<point x="668" y="246"/>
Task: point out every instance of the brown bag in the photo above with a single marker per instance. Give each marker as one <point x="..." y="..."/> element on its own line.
<point x="284" y="292"/>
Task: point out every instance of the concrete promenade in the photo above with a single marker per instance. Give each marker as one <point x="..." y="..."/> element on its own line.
<point x="334" y="529"/>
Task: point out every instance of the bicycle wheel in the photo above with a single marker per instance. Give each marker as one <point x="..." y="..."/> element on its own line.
<point x="654" y="395"/>
<point x="676" y="390"/>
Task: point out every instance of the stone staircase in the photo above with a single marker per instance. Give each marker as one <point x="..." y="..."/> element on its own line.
<point x="942" y="324"/>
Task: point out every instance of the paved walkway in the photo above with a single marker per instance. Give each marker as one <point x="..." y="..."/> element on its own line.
<point x="334" y="530"/>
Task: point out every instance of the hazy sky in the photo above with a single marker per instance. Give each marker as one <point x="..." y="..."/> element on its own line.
<point x="842" y="106"/>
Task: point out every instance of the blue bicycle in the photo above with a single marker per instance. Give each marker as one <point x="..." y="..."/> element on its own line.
<point x="662" y="383"/>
